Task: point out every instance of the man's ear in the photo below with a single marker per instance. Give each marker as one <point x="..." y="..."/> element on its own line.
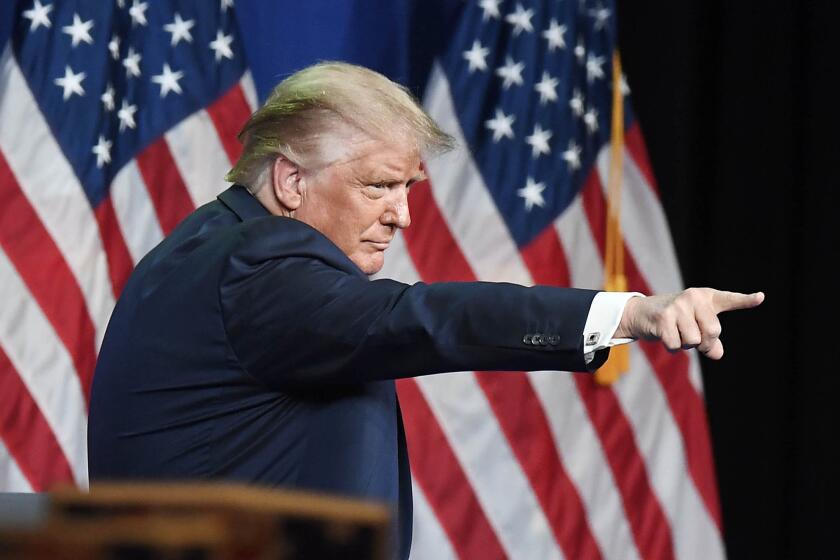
<point x="286" y="183"/>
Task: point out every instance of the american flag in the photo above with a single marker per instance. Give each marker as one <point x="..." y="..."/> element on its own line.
<point x="116" y="121"/>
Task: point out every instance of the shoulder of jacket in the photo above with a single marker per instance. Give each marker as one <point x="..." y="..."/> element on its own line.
<point x="270" y="238"/>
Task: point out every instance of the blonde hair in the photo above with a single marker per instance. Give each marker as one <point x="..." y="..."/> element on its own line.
<point x="315" y="103"/>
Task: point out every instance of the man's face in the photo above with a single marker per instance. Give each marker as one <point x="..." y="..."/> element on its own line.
<point x="360" y="201"/>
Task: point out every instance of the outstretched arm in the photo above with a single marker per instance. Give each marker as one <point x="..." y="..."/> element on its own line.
<point x="688" y="319"/>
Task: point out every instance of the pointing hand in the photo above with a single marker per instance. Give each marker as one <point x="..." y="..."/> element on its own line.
<point x="688" y="319"/>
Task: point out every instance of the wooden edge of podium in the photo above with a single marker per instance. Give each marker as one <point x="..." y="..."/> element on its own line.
<point x="223" y="494"/>
<point x="197" y="529"/>
<point x="222" y="520"/>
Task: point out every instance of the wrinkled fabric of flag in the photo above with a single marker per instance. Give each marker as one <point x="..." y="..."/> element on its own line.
<point x="117" y="119"/>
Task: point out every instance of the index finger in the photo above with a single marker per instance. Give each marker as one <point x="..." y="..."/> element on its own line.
<point x="730" y="301"/>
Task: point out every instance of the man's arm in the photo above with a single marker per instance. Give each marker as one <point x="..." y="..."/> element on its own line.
<point x="319" y="324"/>
<point x="311" y="317"/>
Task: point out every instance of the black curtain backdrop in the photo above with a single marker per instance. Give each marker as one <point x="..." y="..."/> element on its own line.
<point x="738" y="103"/>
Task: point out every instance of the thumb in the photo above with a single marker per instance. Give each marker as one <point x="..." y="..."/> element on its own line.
<point x="716" y="351"/>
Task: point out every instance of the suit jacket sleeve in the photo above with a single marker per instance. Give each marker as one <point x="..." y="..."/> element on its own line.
<point x="310" y="317"/>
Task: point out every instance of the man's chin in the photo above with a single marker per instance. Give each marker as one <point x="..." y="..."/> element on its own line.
<point x="371" y="263"/>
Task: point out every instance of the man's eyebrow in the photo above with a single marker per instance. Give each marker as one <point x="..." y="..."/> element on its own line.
<point x="380" y="180"/>
<point x="416" y="179"/>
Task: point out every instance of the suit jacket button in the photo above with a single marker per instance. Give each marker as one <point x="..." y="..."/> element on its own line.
<point x="543" y="340"/>
<point x="554" y="339"/>
<point x="527" y="339"/>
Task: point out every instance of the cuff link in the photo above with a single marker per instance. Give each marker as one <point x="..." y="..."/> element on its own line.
<point x="592" y="339"/>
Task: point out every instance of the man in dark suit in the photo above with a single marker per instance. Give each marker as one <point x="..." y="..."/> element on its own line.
<point x="250" y="344"/>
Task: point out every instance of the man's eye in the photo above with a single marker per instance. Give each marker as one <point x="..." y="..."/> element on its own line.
<point x="379" y="186"/>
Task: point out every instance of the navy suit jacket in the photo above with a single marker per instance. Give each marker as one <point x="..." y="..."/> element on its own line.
<point x="248" y="347"/>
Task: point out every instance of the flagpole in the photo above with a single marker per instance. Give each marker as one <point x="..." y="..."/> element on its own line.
<point x="614" y="277"/>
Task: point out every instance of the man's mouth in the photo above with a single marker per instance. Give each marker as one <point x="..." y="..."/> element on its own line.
<point x="381" y="245"/>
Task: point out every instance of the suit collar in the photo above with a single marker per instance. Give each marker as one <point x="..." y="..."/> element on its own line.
<point x="242" y="203"/>
<point x="246" y="207"/>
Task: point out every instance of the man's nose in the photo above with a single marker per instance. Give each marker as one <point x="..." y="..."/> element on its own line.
<point x="397" y="213"/>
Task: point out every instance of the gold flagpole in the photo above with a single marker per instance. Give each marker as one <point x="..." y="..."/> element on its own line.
<point x="614" y="278"/>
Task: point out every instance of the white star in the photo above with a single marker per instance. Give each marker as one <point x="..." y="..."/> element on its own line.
<point x="593" y="67"/>
<point x="132" y="63"/>
<point x="71" y="83"/>
<point x="137" y="11"/>
<point x="126" y="115"/>
<point x="491" y="9"/>
<point x="114" y="47"/>
<point x="532" y="193"/>
<point x="107" y="98"/>
<point x="521" y="20"/>
<point x="511" y="73"/>
<point x="221" y="44"/>
<point x="476" y="57"/>
<point x="572" y="156"/>
<point x="580" y="50"/>
<point x="168" y="80"/>
<point x="180" y="29"/>
<point x="555" y="35"/>
<point x="501" y="125"/>
<point x="102" y="151"/>
<point x="79" y="31"/>
<point x="576" y="102"/>
<point x="591" y="120"/>
<point x="38" y="16"/>
<point x="547" y="88"/>
<point x="601" y="16"/>
<point x="227" y="4"/>
<point x="539" y="141"/>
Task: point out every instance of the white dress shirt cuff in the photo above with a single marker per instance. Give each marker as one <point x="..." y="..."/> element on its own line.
<point x="602" y="322"/>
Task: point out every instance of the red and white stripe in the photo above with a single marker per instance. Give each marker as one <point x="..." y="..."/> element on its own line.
<point x="619" y="472"/>
<point x="429" y="541"/>
<point x="63" y="263"/>
<point x="10" y="475"/>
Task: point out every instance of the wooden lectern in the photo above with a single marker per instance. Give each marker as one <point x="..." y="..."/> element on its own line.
<point x="199" y="521"/>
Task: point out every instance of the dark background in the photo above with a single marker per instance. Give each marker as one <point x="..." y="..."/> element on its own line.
<point x="739" y="106"/>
